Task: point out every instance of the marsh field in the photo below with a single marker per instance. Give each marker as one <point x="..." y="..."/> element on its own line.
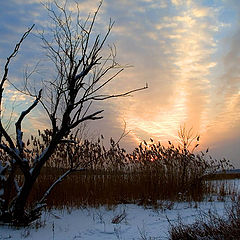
<point x="157" y="192"/>
<point x="99" y="188"/>
<point x="74" y="70"/>
<point x="108" y="205"/>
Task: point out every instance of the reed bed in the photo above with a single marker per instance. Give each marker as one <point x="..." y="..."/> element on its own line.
<point x="152" y="172"/>
<point x="110" y="188"/>
<point x="101" y="176"/>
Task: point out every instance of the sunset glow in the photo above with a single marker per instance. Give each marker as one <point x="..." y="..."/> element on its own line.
<point x="187" y="51"/>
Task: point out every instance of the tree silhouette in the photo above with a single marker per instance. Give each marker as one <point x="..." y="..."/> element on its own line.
<point x="82" y="72"/>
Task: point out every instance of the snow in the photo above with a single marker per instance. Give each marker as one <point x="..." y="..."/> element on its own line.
<point x="96" y="223"/>
<point x="137" y="222"/>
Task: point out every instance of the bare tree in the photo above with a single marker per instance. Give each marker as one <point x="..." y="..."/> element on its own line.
<point x="82" y="72"/>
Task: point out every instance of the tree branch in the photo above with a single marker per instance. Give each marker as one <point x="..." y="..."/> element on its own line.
<point x="104" y="97"/>
<point x="4" y="78"/>
<point x="18" y="124"/>
<point x="23" y="163"/>
<point x="92" y="116"/>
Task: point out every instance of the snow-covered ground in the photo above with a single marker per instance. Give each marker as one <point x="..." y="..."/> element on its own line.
<point x="92" y="224"/>
<point x="132" y="222"/>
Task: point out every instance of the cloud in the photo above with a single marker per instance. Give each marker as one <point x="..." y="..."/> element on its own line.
<point x="225" y="100"/>
<point x="187" y="51"/>
<point x="173" y="53"/>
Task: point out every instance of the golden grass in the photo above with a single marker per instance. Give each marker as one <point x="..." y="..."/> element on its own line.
<point x="95" y="188"/>
<point x="150" y="173"/>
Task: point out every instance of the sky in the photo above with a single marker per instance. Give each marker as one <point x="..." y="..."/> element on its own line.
<point x="186" y="51"/>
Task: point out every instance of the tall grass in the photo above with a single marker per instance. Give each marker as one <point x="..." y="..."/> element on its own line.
<point x="150" y="173"/>
<point x="95" y="188"/>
